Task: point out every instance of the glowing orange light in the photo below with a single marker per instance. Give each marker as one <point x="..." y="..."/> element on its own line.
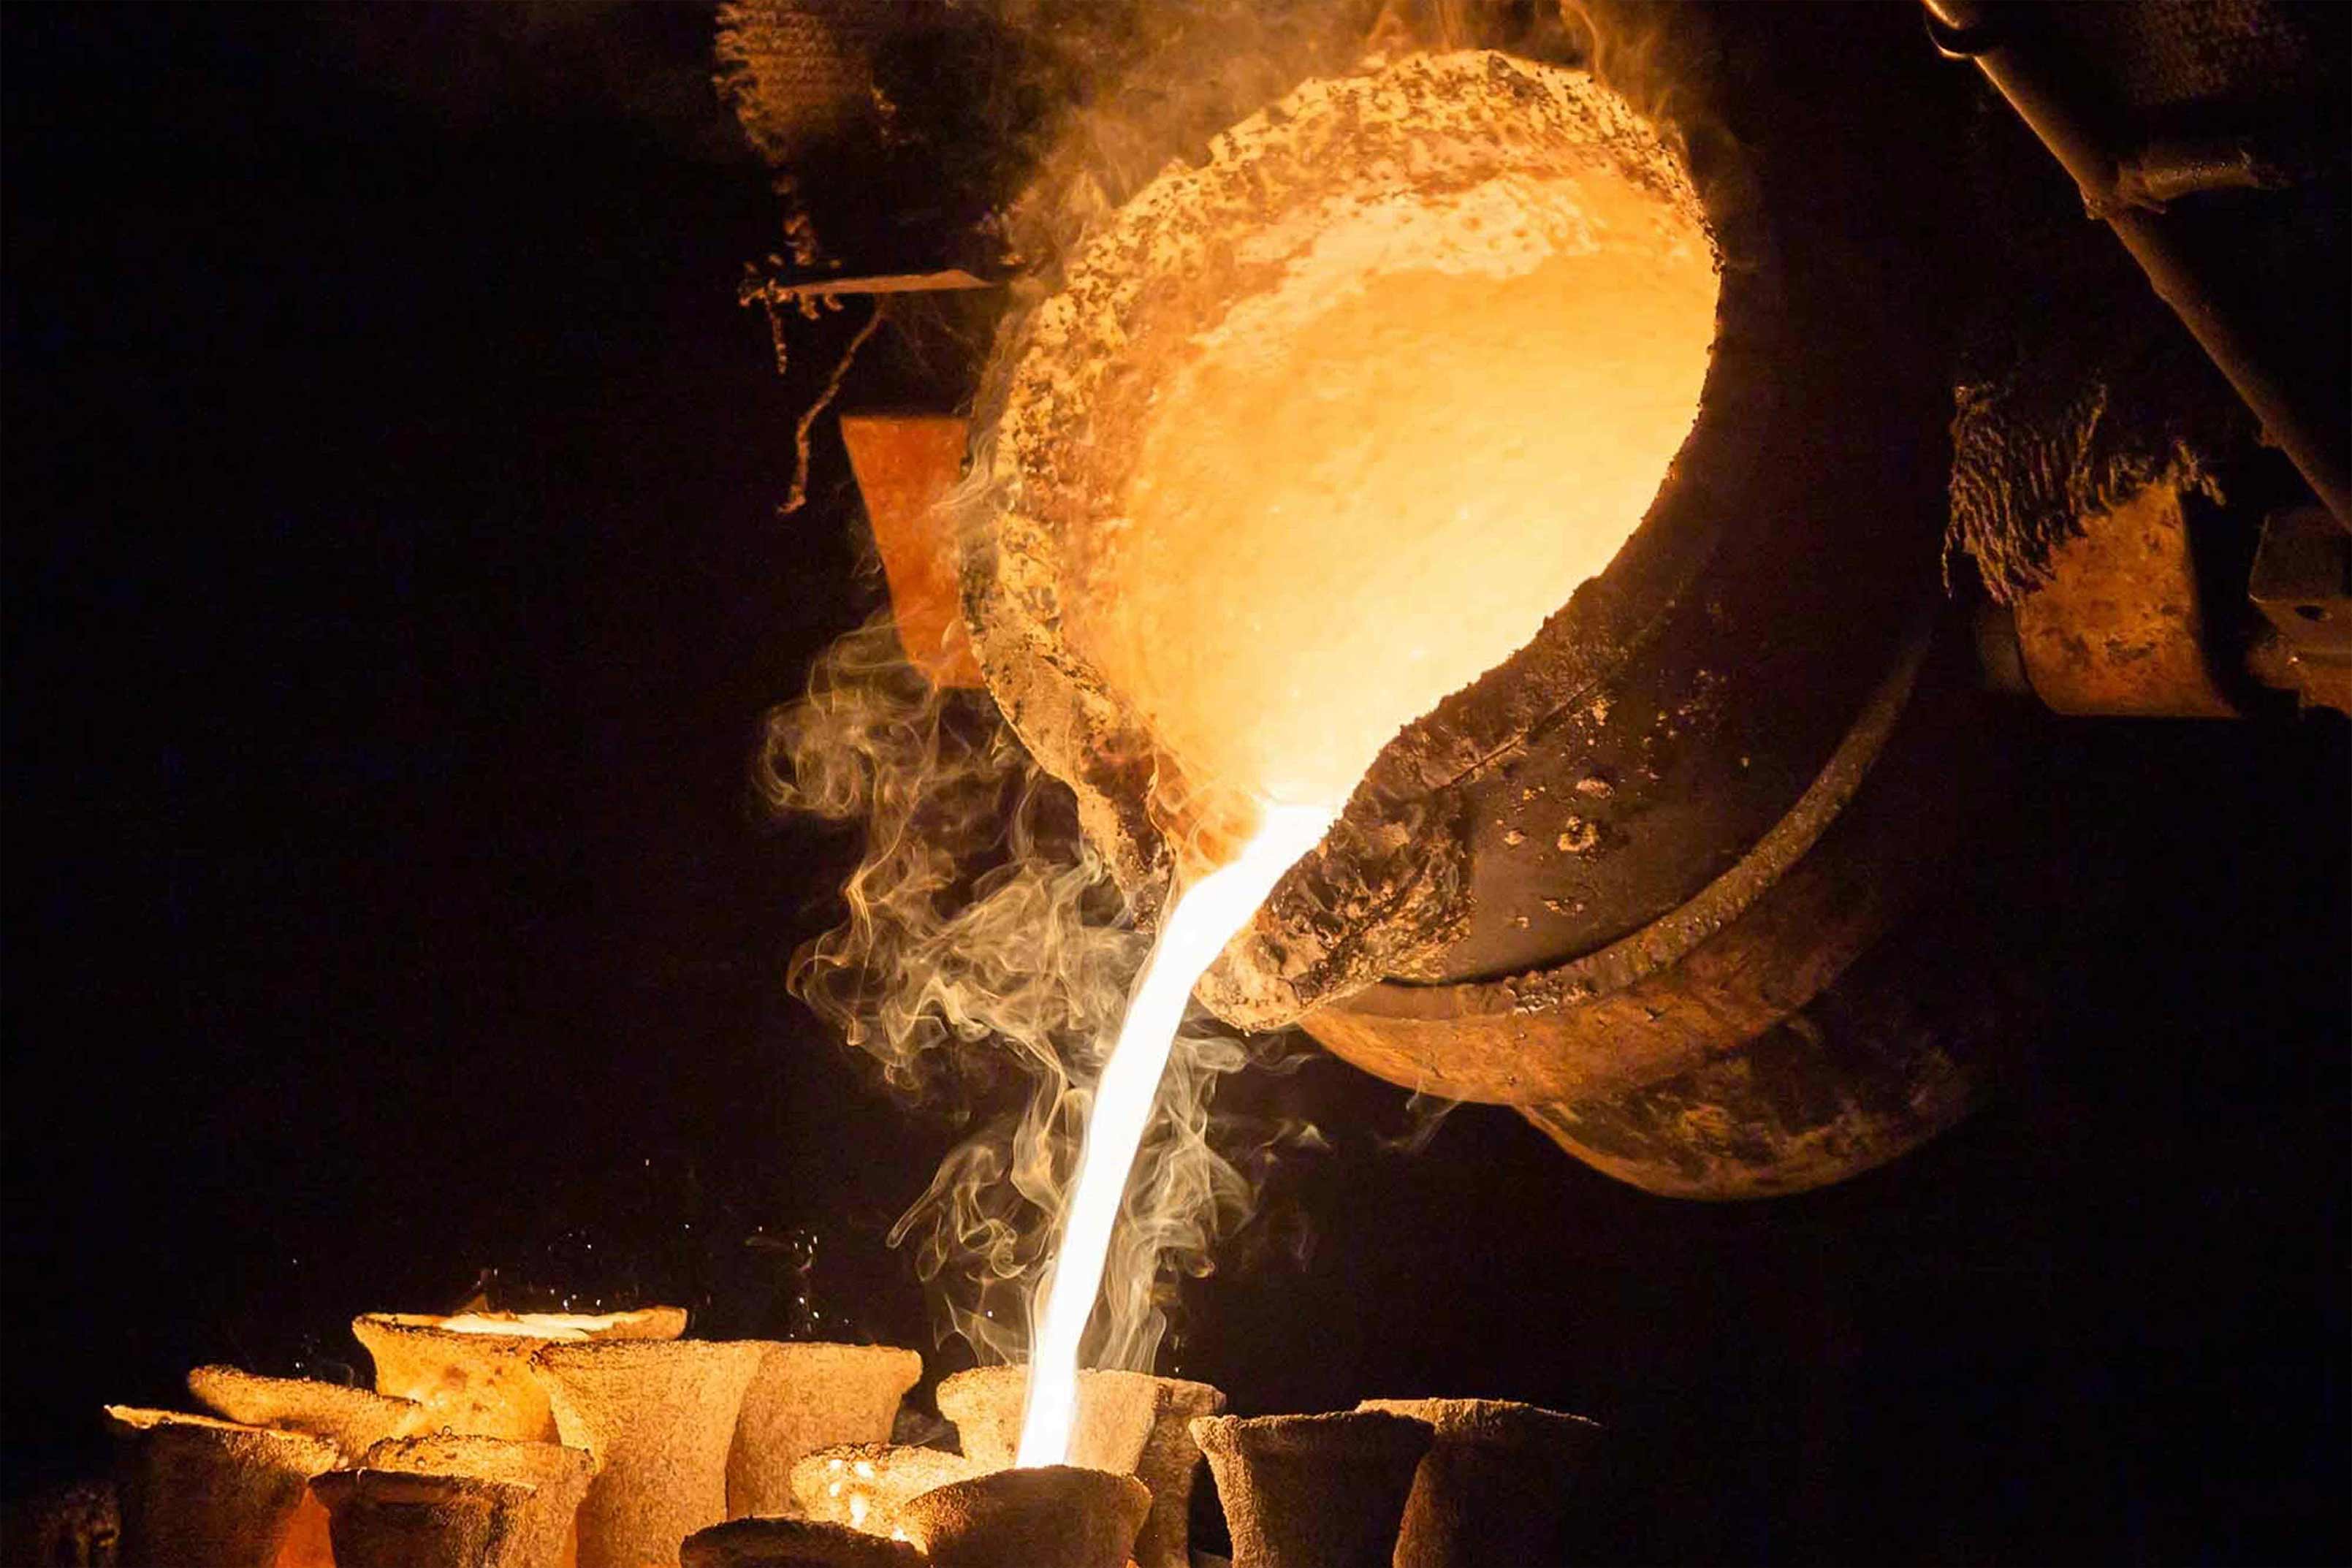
<point x="1204" y="919"/>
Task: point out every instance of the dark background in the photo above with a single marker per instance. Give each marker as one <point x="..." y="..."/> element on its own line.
<point x="394" y="585"/>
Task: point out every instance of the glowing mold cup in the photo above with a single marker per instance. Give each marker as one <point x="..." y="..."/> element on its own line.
<point x="472" y="1370"/>
<point x="865" y="1485"/>
<point x="1126" y="1422"/>
<point x="1045" y="1516"/>
<point x="537" y="1530"/>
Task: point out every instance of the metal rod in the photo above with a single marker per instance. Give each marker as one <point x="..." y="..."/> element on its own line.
<point x="2054" y="106"/>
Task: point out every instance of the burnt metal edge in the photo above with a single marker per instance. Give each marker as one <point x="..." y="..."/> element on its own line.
<point x="1646" y="1043"/>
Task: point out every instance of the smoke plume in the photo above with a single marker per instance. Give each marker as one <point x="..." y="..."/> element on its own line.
<point x="984" y="962"/>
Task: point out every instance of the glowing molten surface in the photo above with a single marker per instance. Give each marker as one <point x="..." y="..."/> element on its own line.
<point x="1378" y="479"/>
<point x="1203" y="919"/>
<point x="532" y="1325"/>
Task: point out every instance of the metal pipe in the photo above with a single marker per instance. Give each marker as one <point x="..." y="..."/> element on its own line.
<point x="2053" y="105"/>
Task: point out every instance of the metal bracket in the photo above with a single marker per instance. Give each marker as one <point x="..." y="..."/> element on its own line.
<point x="2302" y="583"/>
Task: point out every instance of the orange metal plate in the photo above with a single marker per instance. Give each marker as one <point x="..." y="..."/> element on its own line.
<point x="906" y="464"/>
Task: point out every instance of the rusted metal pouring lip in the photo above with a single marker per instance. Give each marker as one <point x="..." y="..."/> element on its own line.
<point x="1047" y="1516"/>
<point x="1382" y="896"/>
<point x="1647" y="1040"/>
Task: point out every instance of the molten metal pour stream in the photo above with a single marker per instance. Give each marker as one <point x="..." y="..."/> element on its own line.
<point x="1205" y="917"/>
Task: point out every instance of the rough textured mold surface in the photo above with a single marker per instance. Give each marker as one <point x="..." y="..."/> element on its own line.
<point x="659" y="1417"/>
<point x="1128" y="1422"/>
<point x="1498" y="1485"/>
<point x="1051" y="1516"/>
<point x="353" y="1419"/>
<point x="808" y="1396"/>
<point x="793" y="1543"/>
<point x="1314" y="1491"/>
<point x="1182" y="257"/>
<point x="864" y="1485"/>
<point x="984" y="1404"/>
<point x="394" y="1520"/>
<point x="541" y="1528"/>
<point x="196" y="1490"/>
<point x="476" y="1378"/>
